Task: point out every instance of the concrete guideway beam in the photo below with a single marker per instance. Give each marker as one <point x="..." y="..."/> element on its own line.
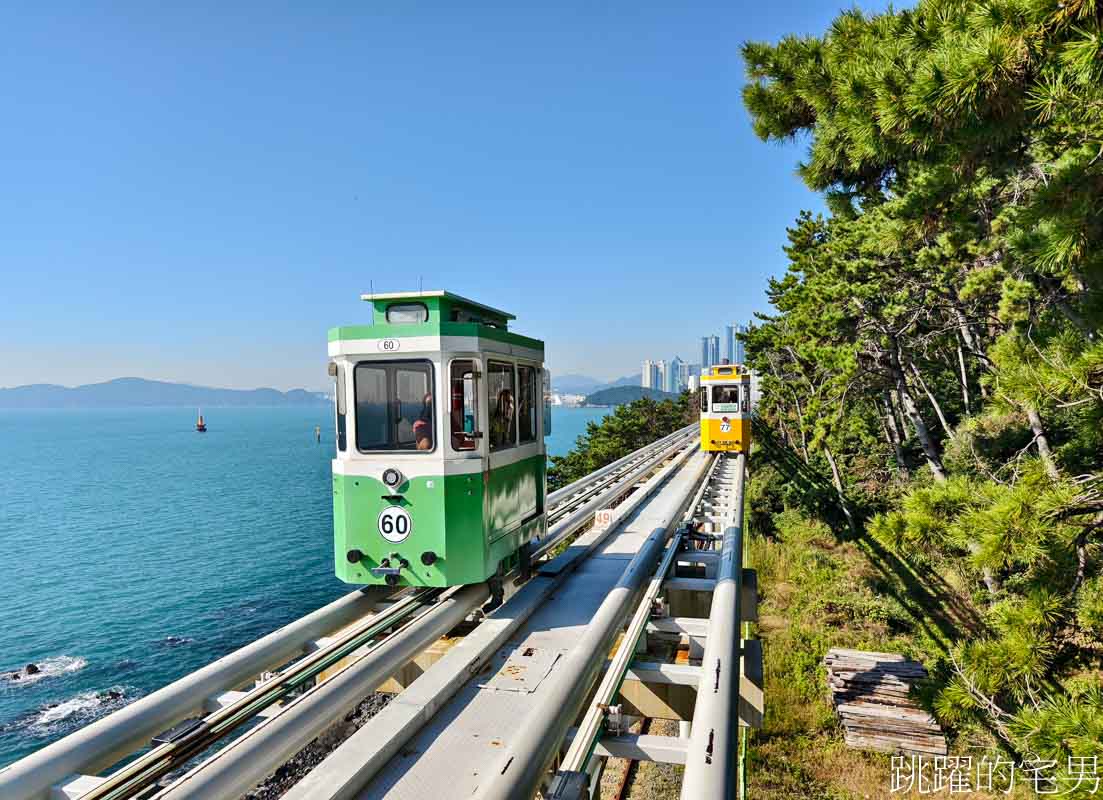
<point x="353" y="765"/>
<point x="661" y="749"/>
<point x="518" y="772"/>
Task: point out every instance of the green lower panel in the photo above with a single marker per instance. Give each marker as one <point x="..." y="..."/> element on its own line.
<point x="468" y="528"/>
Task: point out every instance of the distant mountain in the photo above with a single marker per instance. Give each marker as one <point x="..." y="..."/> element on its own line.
<point x="618" y="395"/>
<point x="123" y="392"/>
<point x="627" y="380"/>
<point x="584" y="384"/>
<point x="575" y="384"/>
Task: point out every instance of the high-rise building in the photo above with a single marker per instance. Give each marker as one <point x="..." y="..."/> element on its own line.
<point x="649" y="378"/>
<point x="733" y="347"/>
<point x="705" y="363"/>
<point x="683" y="376"/>
<point x="714" y="350"/>
<point x="674" y="375"/>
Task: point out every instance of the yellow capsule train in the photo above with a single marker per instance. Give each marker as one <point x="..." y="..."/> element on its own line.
<point x="726" y="409"/>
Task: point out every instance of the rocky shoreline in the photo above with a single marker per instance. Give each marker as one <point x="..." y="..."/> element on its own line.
<point x="290" y="773"/>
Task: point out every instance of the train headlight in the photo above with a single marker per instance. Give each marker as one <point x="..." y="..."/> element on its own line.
<point x="392" y="477"/>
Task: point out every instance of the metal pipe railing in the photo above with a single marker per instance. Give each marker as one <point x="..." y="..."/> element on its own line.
<point x="581" y="516"/>
<point x="99" y="745"/>
<point x="713" y="750"/>
<point x="518" y="772"/>
<point x="559" y="495"/>
<point x="343" y="774"/>
<point x="589" y="730"/>
<point x="242" y="764"/>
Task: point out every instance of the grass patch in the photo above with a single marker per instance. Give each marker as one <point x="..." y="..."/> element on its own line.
<point x="817" y="592"/>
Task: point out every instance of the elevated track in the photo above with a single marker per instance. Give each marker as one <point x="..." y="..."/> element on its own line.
<point x="527" y="699"/>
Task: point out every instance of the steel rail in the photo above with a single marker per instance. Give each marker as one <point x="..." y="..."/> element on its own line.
<point x="713" y="749"/>
<point x="583" y="515"/>
<point x="599" y="486"/>
<point x="102" y="743"/>
<point x="564" y="494"/>
<point x="520" y="769"/>
<point x="241" y="775"/>
<point x="590" y="730"/>
<point x="162" y="759"/>
<point x="359" y="759"/>
<point x="246" y="761"/>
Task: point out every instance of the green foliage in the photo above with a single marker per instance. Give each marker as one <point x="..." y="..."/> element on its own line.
<point x="1089" y="611"/>
<point x="935" y="354"/>
<point x="619" y="395"/>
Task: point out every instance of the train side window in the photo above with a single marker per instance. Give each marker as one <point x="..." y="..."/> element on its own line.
<point x="341" y="405"/>
<point x="546" y="375"/>
<point x="526" y="404"/>
<point x="463" y="409"/>
<point x="703" y="394"/>
<point x="502" y="394"/>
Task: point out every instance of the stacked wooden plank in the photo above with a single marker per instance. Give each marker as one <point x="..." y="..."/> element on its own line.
<point x="871" y="692"/>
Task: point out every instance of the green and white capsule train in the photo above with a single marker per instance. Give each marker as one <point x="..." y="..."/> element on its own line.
<point x="440" y="472"/>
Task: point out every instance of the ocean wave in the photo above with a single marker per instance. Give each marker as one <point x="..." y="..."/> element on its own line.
<point x="175" y="641"/>
<point x="47" y="668"/>
<point x="52" y="718"/>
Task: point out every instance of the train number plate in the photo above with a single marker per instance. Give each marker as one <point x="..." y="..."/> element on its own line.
<point x="395" y="524"/>
<point x="389" y="345"/>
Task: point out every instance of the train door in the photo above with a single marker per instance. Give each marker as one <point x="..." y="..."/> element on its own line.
<point x="503" y="510"/>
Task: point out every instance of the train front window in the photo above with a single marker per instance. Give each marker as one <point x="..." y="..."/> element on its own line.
<point x="394" y="405"/>
<point x="725" y="398"/>
<point x="503" y="405"/>
<point x="463" y="410"/>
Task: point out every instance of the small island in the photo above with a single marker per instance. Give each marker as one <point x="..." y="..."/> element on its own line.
<point x="619" y="395"/>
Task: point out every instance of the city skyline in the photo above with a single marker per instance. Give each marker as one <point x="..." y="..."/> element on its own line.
<point x="664" y="375"/>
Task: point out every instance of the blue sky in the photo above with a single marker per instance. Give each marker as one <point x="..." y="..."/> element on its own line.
<point x="197" y="192"/>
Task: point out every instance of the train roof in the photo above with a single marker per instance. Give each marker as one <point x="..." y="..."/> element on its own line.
<point x="726" y="372"/>
<point x="454" y="298"/>
<point x="443" y="314"/>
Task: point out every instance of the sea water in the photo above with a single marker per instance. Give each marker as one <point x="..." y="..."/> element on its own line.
<point x="134" y="550"/>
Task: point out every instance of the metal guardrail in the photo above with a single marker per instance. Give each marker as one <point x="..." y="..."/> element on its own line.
<point x="626" y="479"/>
<point x="713" y="752"/>
<point x="104" y="742"/>
<point x="99" y="745"/>
<point x="357" y="761"/>
<point x="534" y="746"/>
<point x="585" y="740"/>
<point x="580" y="486"/>
<point x="242" y="764"/>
